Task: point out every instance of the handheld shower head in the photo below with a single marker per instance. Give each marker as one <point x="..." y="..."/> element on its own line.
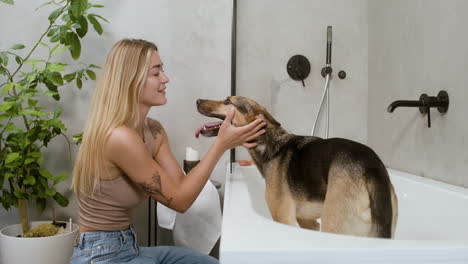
<point x="329" y="45"/>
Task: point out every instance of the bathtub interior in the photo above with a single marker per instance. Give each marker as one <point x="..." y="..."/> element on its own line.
<point x="428" y="210"/>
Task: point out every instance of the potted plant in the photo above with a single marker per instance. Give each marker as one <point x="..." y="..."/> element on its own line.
<point x="26" y="127"/>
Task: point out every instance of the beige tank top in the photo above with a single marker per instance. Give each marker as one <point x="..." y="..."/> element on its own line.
<point x="110" y="207"/>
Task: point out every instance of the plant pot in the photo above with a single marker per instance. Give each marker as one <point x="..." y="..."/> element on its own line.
<point x="39" y="250"/>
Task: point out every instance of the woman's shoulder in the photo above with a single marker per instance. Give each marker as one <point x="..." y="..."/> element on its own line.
<point x="123" y="139"/>
<point x="123" y="135"/>
<point x="155" y="126"/>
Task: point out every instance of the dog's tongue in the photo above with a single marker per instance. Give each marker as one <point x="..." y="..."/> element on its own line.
<point x="207" y="125"/>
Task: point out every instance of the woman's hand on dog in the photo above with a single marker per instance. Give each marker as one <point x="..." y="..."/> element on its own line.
<point x="231" y="136"/>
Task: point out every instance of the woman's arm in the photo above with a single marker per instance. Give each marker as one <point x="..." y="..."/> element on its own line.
<point x="164" y="156"/>
<point x="127" y="150"/>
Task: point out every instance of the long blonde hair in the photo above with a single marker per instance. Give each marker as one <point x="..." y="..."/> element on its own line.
<point x="114" y="103"/>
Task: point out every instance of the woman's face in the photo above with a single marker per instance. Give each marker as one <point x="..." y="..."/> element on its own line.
<point x="154" y="90"/>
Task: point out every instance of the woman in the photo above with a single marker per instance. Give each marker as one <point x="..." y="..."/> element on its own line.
<point x="125" y="157"/>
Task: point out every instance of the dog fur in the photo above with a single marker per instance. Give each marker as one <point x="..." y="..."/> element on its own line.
<point x="342" y="182"/>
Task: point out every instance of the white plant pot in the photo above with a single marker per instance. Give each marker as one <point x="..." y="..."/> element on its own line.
<point x="38" y="250"/>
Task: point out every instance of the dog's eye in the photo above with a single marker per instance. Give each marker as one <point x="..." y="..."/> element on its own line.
<point x="227" y="101"/>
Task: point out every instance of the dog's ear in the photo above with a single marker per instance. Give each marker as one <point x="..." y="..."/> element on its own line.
<point x="267" y="117"/>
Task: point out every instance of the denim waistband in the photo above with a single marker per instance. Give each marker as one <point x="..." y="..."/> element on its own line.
<point x="90" y="237"/>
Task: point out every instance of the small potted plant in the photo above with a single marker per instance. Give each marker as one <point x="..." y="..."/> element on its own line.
<point x="26" y="128"/>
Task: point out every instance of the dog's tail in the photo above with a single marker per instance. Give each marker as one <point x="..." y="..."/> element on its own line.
<point x="378" y="186"/>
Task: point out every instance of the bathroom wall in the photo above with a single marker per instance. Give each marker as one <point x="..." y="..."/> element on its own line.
<point x="271" y="32"/>
<point x="194" y="40"/>
<point x="416" y="47"/>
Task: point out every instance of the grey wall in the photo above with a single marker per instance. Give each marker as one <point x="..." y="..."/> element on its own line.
<point x="194" y="40"/>
<point x="417" y="47"/>
<point x="270" y="32"/>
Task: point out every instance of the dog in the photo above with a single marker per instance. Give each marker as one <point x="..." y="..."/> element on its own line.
<point x="342" y="182"/>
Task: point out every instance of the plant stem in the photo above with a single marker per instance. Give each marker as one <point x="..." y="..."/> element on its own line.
<point x="69" y="144"/>
<point x="23" y="212"/>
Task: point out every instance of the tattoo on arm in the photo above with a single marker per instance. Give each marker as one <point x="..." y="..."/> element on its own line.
<point x="155" y="187"/>
<point x="155" y="127"/>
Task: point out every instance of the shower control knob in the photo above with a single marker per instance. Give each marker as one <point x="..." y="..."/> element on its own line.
<point x="298" y="68"/>
<point x="342" y="75"/>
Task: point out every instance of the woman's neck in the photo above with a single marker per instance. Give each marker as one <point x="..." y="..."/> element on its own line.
<point x="141" y="124"/>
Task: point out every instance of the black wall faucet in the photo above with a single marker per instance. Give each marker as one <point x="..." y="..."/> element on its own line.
<point x="425" y="102"/>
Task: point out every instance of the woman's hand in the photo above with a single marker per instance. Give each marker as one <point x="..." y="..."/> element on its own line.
<point x="230" y="136"/>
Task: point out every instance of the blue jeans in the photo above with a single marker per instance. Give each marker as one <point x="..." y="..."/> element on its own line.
<point x="121" y="247"/>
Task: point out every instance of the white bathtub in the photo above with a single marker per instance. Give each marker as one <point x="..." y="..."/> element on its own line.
<point x="432" y="227"/>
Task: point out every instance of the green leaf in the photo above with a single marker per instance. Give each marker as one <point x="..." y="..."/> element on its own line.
<point x="34" y="61"/>
<point x="60" y="199"/>
<point x="12" y="157"/>
<point x="8" y="87"/>
<point x="31" y="112"/>
<point x="91" y="74"/>
<point x="52" y="31"/>
<point x="97" y="6"/>
<point x="41" y="204"/>
<point x="32" y="103"/>
<point x="78" y="138"/>
<point x="69" y="77"/>
<point x="97" y="26"/>
<point x="6" y="106"/>
<point x="47" y="3"/>
<point x="29" y="160"/>
<point x="4" y="59"/>
<point x="78" y="7"/>
<point x="29" y="181"/>
<point x="94" y="15"/>
<point x="36" y="154"/>
<point x="46" y="174"/>
<point x="57" y="112"/>
<point x="55" y="77"/>
<point x="18" y="47"/>
<point x="19" y="86"/>
<point x="83" y="27"/>
<point x="66" y="18"/>
<point x="79" y="83"/>
<point x="43" y="44"/>
<point x="55" y="14"/>
<point x="10" y="2"/>
<point x="56" y="67"/>
<point x="60" y="178"/>
<point x="94" y="66"/>
<point x="75" y="45"/>
<point x="9" y="175"/>
<point x="55" y="37"/>
<point x="50" y="93"/>
<point x="18" y="59"/>
<point x="11" y="127"/>
<point x="18" y="194"/>
<point x="50" y="192"/>
<point x="28" y="95"/>
<point x="59" y="51"/>
<point x="57" y="123"/>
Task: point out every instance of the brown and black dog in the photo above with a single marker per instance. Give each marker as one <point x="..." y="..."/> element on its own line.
<point x="342" y="182"/>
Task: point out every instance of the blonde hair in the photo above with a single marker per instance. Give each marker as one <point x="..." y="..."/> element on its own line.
<point x="114" y="103"/>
